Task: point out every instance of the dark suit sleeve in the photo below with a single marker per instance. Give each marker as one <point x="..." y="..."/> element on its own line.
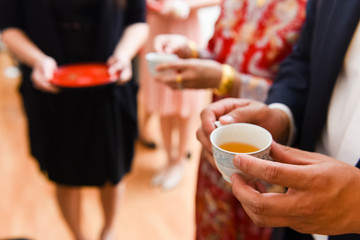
<point x="10" y="14"/>
<point x="292" y="82"/>
<point x="135" y="12"/>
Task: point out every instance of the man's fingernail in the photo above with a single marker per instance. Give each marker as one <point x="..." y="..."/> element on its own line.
<point x="227" y="118"/>
<point x="232" y="178"/>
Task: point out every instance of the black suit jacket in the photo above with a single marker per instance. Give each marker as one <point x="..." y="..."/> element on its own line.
<point x="307" y="77"/>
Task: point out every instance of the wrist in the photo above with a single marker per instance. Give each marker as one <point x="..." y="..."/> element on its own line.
<point x="226" y="81"/>
<point x="39" y="59"/>
<point x="285" y="131"/>
<point x="122" y="55"/>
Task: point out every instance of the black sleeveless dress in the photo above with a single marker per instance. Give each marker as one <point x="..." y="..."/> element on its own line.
<point x="79" y="137"/>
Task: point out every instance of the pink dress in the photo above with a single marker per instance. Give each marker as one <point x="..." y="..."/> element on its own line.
<point x="159" y="98"/>
<point x="253" y="36"/>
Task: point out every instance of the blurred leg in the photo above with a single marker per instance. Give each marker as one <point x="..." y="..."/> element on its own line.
<point x="111" y="198"/>
<point x="167" y="124"/>
<point x="145" y="137"/>
<point x="176" y="168"/>
<point x="166" y="127"/>
<point x="185" y="128"/>
<point x="69" y="201"/>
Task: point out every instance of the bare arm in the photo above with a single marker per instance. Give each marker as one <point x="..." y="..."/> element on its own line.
<point x="22" y="47"/>
<point x="193" y="5"/>
<point x="202" y="3"/>
<point x="179" y="9"/>
<point x="204" y="73"/>
<point x="28" y="53"/>
<point x="129" y="45"/>
<point x="132" y="40"/>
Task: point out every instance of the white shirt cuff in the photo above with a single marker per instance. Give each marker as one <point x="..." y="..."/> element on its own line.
<point x="292" y="130"/>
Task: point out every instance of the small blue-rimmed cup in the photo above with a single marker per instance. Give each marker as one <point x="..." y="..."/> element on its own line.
<point x="238" y="132"/>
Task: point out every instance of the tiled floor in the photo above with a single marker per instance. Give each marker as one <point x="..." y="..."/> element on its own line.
<point x="27" y="203"/>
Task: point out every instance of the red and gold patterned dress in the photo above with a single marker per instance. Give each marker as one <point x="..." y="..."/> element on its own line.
<point x="253" y="36"/>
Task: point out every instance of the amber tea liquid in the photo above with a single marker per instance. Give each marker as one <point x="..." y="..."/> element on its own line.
<point x="238" y="147"/>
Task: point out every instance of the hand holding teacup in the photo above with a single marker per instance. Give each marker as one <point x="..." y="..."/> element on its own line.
<point x="154" y="59"/>
<point x="236" y="110"/>
<point x="173" y="43"/>
<point x="233" y="110"/>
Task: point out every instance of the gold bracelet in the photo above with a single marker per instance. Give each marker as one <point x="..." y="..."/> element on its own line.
<point x="227" y="80"/>
<point x="193" y="47"/>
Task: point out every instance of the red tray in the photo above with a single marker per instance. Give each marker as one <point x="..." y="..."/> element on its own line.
<point x="82" y="75"/>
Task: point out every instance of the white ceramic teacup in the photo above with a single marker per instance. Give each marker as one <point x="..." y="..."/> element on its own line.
<point x="241" y="133"/>
<point x="155" y="58"/>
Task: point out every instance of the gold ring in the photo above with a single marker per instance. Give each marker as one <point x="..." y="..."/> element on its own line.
<point x="179" y="81"/>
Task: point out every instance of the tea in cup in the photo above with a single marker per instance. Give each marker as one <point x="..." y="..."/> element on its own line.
<point x="229" y="140"/>
<point x="238" y="147"/>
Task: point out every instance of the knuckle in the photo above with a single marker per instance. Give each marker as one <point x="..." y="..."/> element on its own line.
<point x="239" y="112"/>
<point x="311" y="209"/>
<point x="246" y="166"/>
<point x="319" y="180"/>
<point x="257" y="206"/>
<point x="203" y="112"/>
<point x="287" y="149"/>
<point x="271" y="172"/>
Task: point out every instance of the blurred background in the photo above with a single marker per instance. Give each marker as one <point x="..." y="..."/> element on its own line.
<point x="27" y="203"/>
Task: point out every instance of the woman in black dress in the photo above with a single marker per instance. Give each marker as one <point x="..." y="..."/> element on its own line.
<point x="79" y="137"/>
